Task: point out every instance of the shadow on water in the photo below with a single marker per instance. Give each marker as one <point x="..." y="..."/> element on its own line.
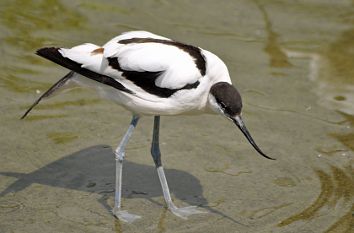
<point x="93" y="169"/>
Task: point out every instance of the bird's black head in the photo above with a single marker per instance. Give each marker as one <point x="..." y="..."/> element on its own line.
<point x="226" y="100"/>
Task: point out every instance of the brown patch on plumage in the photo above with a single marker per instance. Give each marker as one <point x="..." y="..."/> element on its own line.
<point x="97" y="51"/>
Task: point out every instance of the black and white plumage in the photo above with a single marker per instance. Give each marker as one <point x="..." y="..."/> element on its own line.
<point x="151" y="75"/>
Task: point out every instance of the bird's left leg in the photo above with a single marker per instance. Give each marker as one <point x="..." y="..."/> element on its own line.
<point x="120" y="154"/>
<point x="156" y="155"/>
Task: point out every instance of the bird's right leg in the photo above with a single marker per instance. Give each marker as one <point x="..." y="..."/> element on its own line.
<point x="120" y="153"/>
<point x="156" y="155"/>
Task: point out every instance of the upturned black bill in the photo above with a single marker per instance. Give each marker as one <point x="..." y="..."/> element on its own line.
<point x="239" y="122"/>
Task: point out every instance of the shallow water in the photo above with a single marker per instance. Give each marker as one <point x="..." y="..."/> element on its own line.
<point x="293" y="63"/>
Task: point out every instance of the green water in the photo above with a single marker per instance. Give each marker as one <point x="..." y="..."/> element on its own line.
<point x="293" y="63"/>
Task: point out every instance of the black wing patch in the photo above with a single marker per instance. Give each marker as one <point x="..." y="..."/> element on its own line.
<point x="146" y="80"/>
<point x="54" y="55"/>
<point x="193" y="51"/>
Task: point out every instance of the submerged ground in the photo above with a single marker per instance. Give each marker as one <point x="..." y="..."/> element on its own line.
<point x="291" y="60"/>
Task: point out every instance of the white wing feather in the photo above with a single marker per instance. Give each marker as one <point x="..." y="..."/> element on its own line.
<point x="177" y="66"/>
<point x="82" y="54"/>
<point x="110" y="46"/>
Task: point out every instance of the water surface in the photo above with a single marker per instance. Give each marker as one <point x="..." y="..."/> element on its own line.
<point x="291" y="60"/>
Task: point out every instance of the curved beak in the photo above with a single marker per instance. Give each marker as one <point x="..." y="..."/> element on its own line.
<point x="239" y="122"/>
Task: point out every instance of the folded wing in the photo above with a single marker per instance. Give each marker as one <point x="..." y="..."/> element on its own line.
<point x="135" y="62"/>
<point x="176" y="64"/>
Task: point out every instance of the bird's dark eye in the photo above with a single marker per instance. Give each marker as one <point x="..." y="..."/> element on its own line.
<point x="225" y="108"/>
<point x="223" y="105"/>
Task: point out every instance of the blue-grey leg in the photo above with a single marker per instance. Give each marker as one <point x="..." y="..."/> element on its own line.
<point x="120" y="153"/>
<point x="156" y="155"/>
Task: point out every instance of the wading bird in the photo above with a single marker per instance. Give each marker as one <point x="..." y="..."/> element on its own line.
<point x="150" y="75"/>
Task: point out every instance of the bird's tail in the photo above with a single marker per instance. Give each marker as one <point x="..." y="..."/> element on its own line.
<point x="85" y="59"/>
<point x="56" y="55"/>
<point x="82" y="59"/>
<point x="58" y="85"/>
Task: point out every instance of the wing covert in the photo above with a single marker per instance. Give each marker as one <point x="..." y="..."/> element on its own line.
<point x="176" y="63"/>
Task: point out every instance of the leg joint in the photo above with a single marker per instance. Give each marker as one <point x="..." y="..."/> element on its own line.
<point x="120" y="154"/>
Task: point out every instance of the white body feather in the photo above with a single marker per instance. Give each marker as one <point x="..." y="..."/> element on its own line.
<point x="178" y="66"/>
